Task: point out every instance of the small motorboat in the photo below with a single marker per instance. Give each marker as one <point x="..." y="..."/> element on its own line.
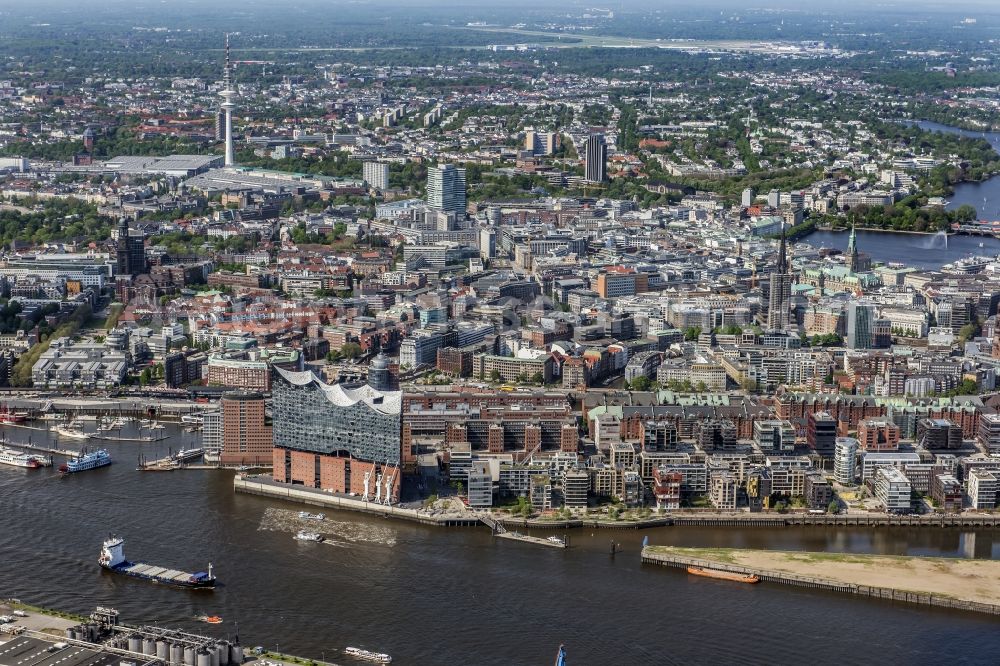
<point x="210" y="619"/>
<point x="309" y="536"/>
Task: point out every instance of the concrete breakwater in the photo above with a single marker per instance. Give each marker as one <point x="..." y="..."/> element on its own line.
<point x="929" y="581"/>
<point x="265" y="486"/>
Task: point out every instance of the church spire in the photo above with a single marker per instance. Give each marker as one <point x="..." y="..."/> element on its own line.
<point x="852" y="251"/>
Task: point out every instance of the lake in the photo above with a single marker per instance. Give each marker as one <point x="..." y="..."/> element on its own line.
<point x="984" y="196"/>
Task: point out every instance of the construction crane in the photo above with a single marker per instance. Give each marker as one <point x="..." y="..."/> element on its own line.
<point x="262" y="63"/>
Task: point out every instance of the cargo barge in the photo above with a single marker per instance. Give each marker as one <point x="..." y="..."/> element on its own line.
<point x="113" y="559"/>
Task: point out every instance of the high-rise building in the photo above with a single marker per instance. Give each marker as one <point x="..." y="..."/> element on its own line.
<point x="821" y="432"/>
<point x="774" y="198"/>
<point x="379" y="377"/>
<point x="576" y="484"/>
<point x="342" y="439"/>
<point x="845" y="460"/>
<point x="860" y="323"/>
<point x="246" y="434"/>
<point x="211" y="435"/>
<point x="446" y="188"/>
<point x="780" y="290"/>
<point x="541" y="143"/>
<point x="596" y="159"/>
<point x="131" y="254"/>
<point x="220" y="125"/>
<point x="227" y="94"/>
<point x="746" y="199"/>
<point x="376" y="174"/>
<point x="487" y="243"/>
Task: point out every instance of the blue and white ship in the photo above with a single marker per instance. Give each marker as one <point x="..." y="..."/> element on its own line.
<point x="86" y="460"/>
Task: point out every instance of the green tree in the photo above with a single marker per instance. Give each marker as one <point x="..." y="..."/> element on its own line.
<point x="641" y="383"/>
<point x="351" y="350"/>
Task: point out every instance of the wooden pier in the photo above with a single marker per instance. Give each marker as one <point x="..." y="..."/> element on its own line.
<point x="105" y="438"/>
<point x="66" y="453"/>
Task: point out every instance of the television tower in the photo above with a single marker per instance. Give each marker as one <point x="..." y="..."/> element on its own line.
<point x="227" y="95"/>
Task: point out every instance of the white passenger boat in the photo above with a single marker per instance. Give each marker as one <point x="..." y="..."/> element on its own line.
<point x="378" y="657"/>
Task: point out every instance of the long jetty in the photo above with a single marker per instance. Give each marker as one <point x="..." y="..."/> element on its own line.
<point x="500" y="531"/>
<point x="724" y="560"/>
<point x="43" y="449"/>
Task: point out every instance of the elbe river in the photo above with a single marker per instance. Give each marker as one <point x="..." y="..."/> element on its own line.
<point x="449" y="596"/>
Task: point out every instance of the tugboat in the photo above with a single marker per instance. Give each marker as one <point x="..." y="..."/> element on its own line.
<point x="378" y="657"/>
<point x="113" y="559"/>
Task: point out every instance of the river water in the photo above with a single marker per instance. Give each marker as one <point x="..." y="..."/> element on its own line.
<point x="450" y="596"/>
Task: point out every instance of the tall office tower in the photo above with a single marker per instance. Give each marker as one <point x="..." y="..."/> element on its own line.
<point x="446" y="189"/>
<point x="131" y="255"/>
<point x="780" y="290"/>
<point x="227" y="94"/>
<point x="246" y="434"/>
<point x="747" y="198"/>
<point x="596" y="159"/>
<point x="376" y="174"/>
<point x="860" y="320"/>
<point x="220" y="125"/>
<point x="774" y="198"/>
<point x="531" y="140"/>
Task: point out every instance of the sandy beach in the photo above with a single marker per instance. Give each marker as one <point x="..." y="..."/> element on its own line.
<point x="968" y="580"/>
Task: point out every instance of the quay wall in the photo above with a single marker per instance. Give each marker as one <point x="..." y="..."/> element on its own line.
<point x="252" y="486"/>
<point x="886" y="593"/>
<point x="264" y="486"/>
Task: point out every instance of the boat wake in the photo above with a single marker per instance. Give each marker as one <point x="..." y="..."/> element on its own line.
<point x="339" y="533"/>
